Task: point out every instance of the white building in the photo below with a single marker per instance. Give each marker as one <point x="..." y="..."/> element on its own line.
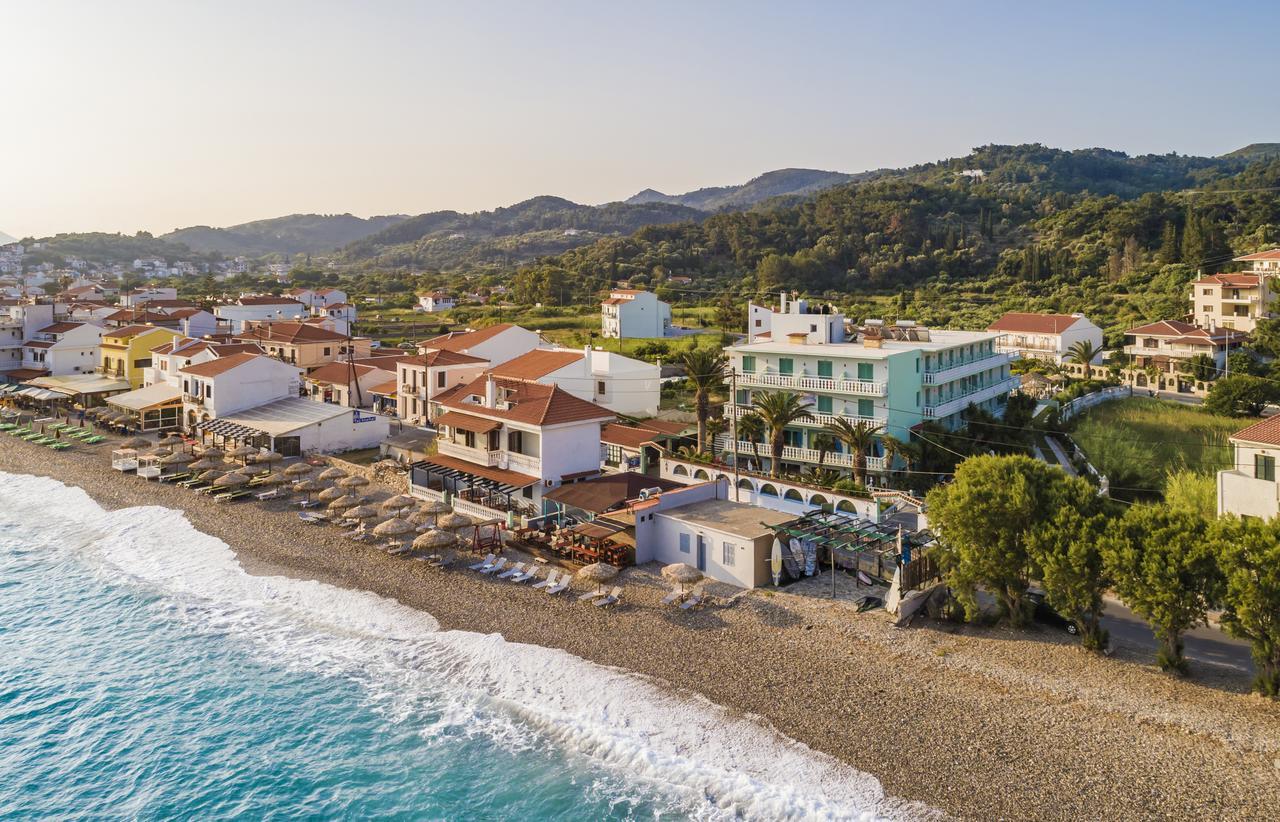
<point x="233" y="383"/>
<point x="146" y="295"/>
<point x="350" y="383"/>
<point x="319" y="297"/>
<point x="1167" y="343"/>
<point x="495" y="343"/>
<point x="197" y="322"/>
<point x="501" y="443"/>
<point x="1235" y="301"/>
<point x="259" y="309"/>
<point x="1044" y="336"/>
<point x="340" y="316"/>
<point x="63" y="348"/>
<point x="621" y="384"/>
<point x="435" y="301"/>
<point x="1265" y="263"/>
<point x="630" y="313"/>
<point x="1249" y="489"/>
<point x="420" y="377"/>
<point x="19" y="323"/>
<point x="820" y="325"/>
<point x="294" y="427"/>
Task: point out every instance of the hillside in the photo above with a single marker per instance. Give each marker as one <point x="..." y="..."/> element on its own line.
<point x="5" y="239"/>
<point x="504" y="237"/>
<point x="294" y="234"/>
<point x="781" y="183"/>
<point x="1256" y="151"/>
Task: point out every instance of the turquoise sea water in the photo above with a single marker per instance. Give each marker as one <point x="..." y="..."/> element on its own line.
<point x="143" y="674"/>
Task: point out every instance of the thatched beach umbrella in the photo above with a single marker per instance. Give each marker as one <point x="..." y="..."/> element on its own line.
<point x="355" y="481"/>
<point x="330" y="494"/>
<point x="344" y="502"/>
<point x="400" y="503"/>
<point x="454" y="521"/>
<point x="434" y="540"/>
<point x="210" y="475"/>
<point x="205" y="463"/>
<point x="136" y="442"/>
<point x="230" y="480"/>
<point x="268" y="457"/>
<point x="299" y="469"/>
<point x="212" y="453"/>
<point x="394" y="527"/>
<point x="361" y="512"/>
<point x="598" y="572"/>
<point x="172" y="439"/>
<point x="176" y="458"/>
<point x="307" y="487"/>
<point x="242" y="452"/>
<point x="331" y="474"/>
<point x="682" y="573"/>
<point x="274" y="478"/>
<point x="435" y="507"/>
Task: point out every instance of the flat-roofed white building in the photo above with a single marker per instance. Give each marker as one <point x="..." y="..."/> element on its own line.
<point x="1249" y="488"/>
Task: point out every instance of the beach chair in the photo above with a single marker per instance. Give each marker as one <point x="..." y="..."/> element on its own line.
<point x="312" y="519"/>
<point x="274" y="493"/>
<point x="397" y="549"/>
<point x="233" y="496"/>
<point x="562" y="585"/>
<point x="694" y="600"/>
<point x="512" y="570"/>
<point x="672" y="598"/>
<point x="612" y="599"/>
<point x="549" y="581"/>
<point x="530" y="572"/>
<point x="438" y="561"/>
<point x="590" y="595"/>
<point x="93" y="440"/>
<point x="59" y="446"/>
<point x="495" y="567"/>
<point x="484" y="563"/>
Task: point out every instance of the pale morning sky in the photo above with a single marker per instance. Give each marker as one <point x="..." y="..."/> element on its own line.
<point x="151" y="115"/>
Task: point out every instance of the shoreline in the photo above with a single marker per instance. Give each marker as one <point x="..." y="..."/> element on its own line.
<point x="972" y="722"/>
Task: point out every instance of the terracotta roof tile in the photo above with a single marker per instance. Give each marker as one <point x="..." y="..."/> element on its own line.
<point x="536" y="364"/>
<point x="1273" y="254"/>
<point x="221" y="365"/>
<point x="1266" y="432"/>
<point x="460" y="341"/>
<point x="527" y="402"/>
<point x="1029" y="323"/>
<point x="289" y="332"/>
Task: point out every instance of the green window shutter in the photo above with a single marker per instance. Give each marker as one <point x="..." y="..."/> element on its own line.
<point x="786" y="366"/>
<point x="748" y="364"/>
<point x="824" y="405"/>
<point x="866" y="408"/>
<point x="824" y="368"/>
<point x="744" y="396"/>
<point x="866" y="371"/>
<point x="1264" y="468"/>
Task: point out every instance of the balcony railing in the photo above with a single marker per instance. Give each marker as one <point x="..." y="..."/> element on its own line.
<point x="193" y="399"/>
<point x="815" y="419"/>
<point x="940" y="376"/>
<point x="793" y="454"/>
<point x="954" y="404"/>
<point x="493" y="459"/>
<point x="803" y="383"/>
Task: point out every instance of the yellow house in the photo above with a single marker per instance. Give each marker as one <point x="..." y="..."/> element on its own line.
<point x="126" y="352"/>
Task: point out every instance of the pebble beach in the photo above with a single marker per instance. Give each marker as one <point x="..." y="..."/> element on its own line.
<point x="977" y="723"/>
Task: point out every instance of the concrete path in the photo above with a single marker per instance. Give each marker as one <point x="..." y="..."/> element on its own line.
<point x="1061" y="456"/>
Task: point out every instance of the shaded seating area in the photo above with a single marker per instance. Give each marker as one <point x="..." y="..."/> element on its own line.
<point x="495" y="488"/>
<point x="857" y="545"/>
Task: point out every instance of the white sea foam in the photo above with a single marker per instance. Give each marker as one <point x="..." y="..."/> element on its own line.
<point x="520" y="696"/>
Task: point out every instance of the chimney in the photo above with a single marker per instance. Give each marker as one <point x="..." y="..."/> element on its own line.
<point x="586" y="360"/>
<point x="782" y="303"/>
<point x="490" y="393"/>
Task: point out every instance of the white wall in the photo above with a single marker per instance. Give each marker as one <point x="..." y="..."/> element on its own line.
<point x="632" y="387"/>
<point x="1240" y="493"/>
<point x="569" y="448"/>
<point x="344" y="433"/>
<point x="238" y="315"/>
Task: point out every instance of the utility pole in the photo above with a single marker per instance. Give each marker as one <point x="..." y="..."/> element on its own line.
<point x="733" y="427"/>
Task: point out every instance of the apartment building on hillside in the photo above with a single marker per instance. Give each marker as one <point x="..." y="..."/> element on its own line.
<point x="630" y="313"/>
<point x="1235" y="301"/>
<point x="1044" y="336"/>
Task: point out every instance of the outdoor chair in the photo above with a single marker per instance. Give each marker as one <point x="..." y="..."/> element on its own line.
<point x="549" y="581"/>
<point x="672" y="598"/>
<point x="511" y="571"/>
<point x="562" y="585"/>
<point x="495" y="567"/>
<point x="530" y="572"/>
<point x="484" y="563"/>
<point x="590" y="595"/>
<point x="694" y="600"/>
<point x="612" y="599"/>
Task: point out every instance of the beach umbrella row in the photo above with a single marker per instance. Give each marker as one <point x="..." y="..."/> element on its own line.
<point x="298" y="469"/>
<point x="434" y="540"/>
<point x="394" y="527"/>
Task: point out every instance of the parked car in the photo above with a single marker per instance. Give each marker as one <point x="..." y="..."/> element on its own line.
<point x="1046" y="615"/>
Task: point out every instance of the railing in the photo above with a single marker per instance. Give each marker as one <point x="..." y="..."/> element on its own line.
<point x="939" y="376"/>
<point x="506" y="460"/>
<point x="815" y="419"/>
<point x="866" y="387"/>
<point x="193" y="399"/>
<point x="462" y="506"/>
<point x="794" y="454"/>
<point x="954" y="404"/>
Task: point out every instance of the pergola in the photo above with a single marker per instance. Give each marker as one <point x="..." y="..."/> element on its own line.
<point x="856" y="544"/>
<point x="222" y="431"/>
<point x="491" y="487"/>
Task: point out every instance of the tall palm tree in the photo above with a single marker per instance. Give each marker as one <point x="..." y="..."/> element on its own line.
<point x="824" y="444"/>
<point x="751" y="429"/>
<point x="715" y="427"/>
<point x="858" y="437"/>
<point x="1083" y="353"/>
<point x="896" y="450"/>
<point x="705" y="369"/>
<point x="778" y="409"/>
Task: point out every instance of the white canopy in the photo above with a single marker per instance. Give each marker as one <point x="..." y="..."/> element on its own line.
<point x="143" y="398"/>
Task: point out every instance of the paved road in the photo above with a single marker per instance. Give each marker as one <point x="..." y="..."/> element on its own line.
<point x="1203" y="644"/>
<point x="1061" y="456"/>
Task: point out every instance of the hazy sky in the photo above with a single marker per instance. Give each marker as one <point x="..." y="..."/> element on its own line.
<point x="122" y="115"/>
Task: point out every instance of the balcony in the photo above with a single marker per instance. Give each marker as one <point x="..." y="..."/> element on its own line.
<point x="816" y="420"/>
<point x="792" y="454"/>
<point x="505" y="460"/>
<point x="956" y="404"/>
<point x="824" y="384"/>
<point x="941" y="376"/>
<point x="192" y="399"/>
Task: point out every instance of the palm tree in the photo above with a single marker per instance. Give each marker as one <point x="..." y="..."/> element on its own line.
<point x="751" y="429"/>
<point x="705" y="370"/>
<point x="1083" y="352"/>
<point x="823" y="443"/>
<point x="858" y="437"/>
<point x="778" y="409"/>
<point x="897" y="450"/>
<point x="715" y="427"/>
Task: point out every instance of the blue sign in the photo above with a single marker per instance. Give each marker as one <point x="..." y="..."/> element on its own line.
<point x="356" y="416"/>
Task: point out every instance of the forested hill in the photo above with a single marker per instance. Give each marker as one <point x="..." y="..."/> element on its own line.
<point x="294" y="234"/>
<point x="1039" y="228"/>
<point x="448" y="240"/>
<point x="786" y="182"/>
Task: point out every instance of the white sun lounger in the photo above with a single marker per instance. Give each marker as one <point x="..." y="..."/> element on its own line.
<point x="672" y="598"/>
<point x="495" y="567"/>
<point x="694" y="600"/>
<point x="530" y="572"/>
<point x="612" y="599"/>
<point x="562" y="585"/>
<point x="596" y="594"/>
<point x="511" y="571"/>
<point x="549" y="581"/>
<point x="313" y="519"/>
<point x="484" y="563"/>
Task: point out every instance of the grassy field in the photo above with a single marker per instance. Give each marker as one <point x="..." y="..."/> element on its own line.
<point x="1138" y="443"/>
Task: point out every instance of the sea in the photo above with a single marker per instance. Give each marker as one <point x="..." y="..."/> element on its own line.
<point x="145" y="675"/>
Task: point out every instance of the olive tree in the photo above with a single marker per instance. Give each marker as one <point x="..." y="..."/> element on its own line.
<point x="1248" y="552"/>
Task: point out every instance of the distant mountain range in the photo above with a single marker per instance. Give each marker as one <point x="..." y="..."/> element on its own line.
<point x="784" y="182"/>
<point x="294" y="234"/>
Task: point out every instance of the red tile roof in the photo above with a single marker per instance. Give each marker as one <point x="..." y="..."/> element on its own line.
<point x="460" y="341"/>
<point x="385" y="388"/>
<point x="268" y="300"/>
<point x="437" y="358"/>
<point x="130" y="331"/>
<point x="289" y="332"/>
<point x="212" y="368"/>
<point x="457" y="419"/>
<point x="1251" y="280"/>
<point x="339" y="373"/>
<point x="59" y="328"/>
<point x="133" y="315"/>
<point x="528" y="402"/>
<point x="536" y="364"/>
<point x="38" y="344"/>
<point x="1273" y="254"/>
<point x="1266" y="432"/>
<point x="1028" y="323"/>
<point x="626" y="436"/>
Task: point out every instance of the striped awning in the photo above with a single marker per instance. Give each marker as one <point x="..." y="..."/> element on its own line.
<point x="226" y="428"/>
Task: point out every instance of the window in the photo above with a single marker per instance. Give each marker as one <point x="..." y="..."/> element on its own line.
<point x="743" y="397"/>
<point x="866" y="371"/>
<point x="786" y="365"/>
<point x="440" y="379"/>
<point x="1264" y="467"/>
<point x="727" y="556"/>
<point x="824" y="405"/>
<point x="515" y="442"/>
<point x="1208" y="292"/>
<point x="1208" y="309"/>
<point x="866" y="408"/>
<point x="208" y="390"/>
<point x="813" y="327"/>
<point x="824" y="368"/>
<point x="600" y="389"/>
<point x="749" y="363"/>
<point x="1150" y="342"/>
<point x="684" y="543"/>
<point x="327" y="350"/>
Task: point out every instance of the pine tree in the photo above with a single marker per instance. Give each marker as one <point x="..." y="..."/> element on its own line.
<point x="1169" y="251"/>
<point x="1193" y="239"/>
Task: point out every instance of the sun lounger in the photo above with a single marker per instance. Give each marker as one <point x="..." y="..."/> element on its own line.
<point x="94" y="440"/>
<point x="694" y="600"/>
<point x="59" y="446"/>
<point x="549" y="581"/>
<point x="312" y="519"/>
<point x="233" y="496"/>
<point x="512" y="570"/>
<point x="590" y="595"/>
<point x="438" y="561"/>
<point x="274" y="493"/>
<point x="672" y="598"/>
<point x="612" y="599"/>
<point x="484" y="563"/>
<point x="496" y="567"/>
<point x="398" y="549"/>
<point x="530" y="572"/>
<point x="562" y="585"/>
<point x="178" y="477"/>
